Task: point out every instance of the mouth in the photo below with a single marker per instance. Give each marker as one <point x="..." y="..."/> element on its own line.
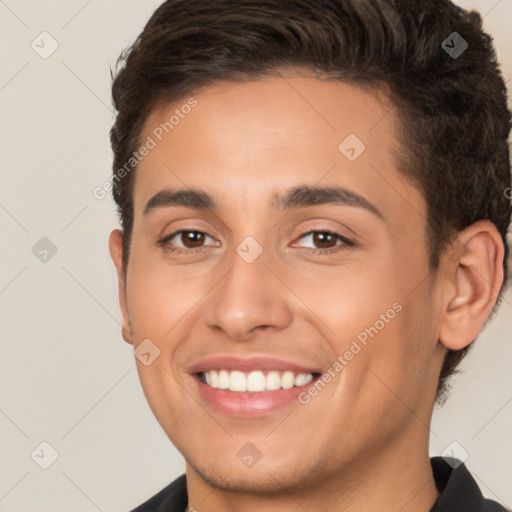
<point x="254" y="381"/>
<point x="251" y="388"/>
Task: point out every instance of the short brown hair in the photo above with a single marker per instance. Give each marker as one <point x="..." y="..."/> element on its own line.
<point x="453" y="109"/>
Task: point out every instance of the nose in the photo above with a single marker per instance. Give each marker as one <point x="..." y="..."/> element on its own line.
<point x="251" y="297"/>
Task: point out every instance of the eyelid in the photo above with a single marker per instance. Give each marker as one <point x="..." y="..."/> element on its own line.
<point x="180" y="231"/>
<point x="166" y="239"/>
<point x="312" y="230"/>
<point x="318" y="227"/>
<point x="308" y="230"/>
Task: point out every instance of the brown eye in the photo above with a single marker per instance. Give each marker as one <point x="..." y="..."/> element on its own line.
<point x="192" y="239"/>
<point x="185" y="239"/>
<point x="325" y="240"/>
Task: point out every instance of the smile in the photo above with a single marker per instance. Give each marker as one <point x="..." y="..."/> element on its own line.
<point x="254" y="381"/>
<point x="251" y="387"/>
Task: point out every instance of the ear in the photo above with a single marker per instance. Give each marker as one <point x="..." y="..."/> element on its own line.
<point x="115" y="244"/>
<point x="472" y="281"/>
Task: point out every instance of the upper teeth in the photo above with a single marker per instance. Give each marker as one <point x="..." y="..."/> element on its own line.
<point x="255" y="381"/>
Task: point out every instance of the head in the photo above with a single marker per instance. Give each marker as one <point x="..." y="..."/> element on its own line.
<point x="263" y="96"/>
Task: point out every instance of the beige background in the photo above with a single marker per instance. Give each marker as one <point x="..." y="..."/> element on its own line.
<point x="67" y="378"/>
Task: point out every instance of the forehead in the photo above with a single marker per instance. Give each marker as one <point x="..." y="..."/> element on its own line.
<point x="280" y="110"/>
<point x="247" y="139"/>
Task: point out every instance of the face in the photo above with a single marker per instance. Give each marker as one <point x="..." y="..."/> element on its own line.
<point x="295" y="262"/>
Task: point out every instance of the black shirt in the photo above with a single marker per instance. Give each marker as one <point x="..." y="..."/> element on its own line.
<point x="458" y="493"/>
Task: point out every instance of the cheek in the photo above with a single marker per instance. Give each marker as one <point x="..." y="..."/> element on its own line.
<point x="160" y="296"/>
<point x="400" y="358"/>
<point x="384" y="333"/>
<point x="350" y="302"/>
<point x="149" y="304"/>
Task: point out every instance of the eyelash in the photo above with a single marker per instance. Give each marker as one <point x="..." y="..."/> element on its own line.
<point x="346" y="243"/>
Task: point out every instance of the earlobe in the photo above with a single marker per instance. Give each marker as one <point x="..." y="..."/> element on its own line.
<point x="473" y="279"/>
<point x="116" y="252"/>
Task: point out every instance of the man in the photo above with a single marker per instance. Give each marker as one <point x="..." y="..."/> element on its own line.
<point x="313" y="207"/>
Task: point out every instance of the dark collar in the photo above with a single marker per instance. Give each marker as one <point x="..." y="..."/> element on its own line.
<point x="171" y="499"/>
<point x="458" y="492"/>
<point x="458" y="489"/>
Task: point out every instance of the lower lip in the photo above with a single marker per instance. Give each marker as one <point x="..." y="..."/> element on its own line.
<point x="249" y="405"/>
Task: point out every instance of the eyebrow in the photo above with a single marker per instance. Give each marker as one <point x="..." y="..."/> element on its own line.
<point x="297" y="197"/>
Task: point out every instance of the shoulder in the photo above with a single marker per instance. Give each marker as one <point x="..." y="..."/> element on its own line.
<point x="172" y="498"/>
<point x="458" y="489"/>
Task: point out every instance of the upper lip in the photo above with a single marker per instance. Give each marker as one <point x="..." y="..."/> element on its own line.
<point x="249" y="364"/>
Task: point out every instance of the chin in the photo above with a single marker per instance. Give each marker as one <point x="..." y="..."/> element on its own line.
<point x="258" y="479"/>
